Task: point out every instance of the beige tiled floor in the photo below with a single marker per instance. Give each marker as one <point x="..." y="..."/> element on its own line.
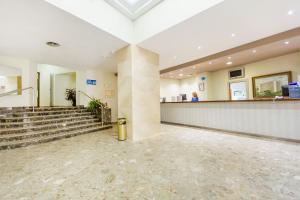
<point x="182" y="163"/>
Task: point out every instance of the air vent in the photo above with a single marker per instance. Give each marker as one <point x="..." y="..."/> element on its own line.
<point x="236" y="73"/>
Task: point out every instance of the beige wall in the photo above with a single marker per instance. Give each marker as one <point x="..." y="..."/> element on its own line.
<point x="217" y="85"/>
<point x="289" y="62"/>
<point x="106" y="89"/>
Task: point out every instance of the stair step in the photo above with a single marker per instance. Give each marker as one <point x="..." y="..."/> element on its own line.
<point x="42" y="113"/>
<point x="44" y="122"/>
<point x="44" y="117"/>
<point x="31" y="141"/>
<point x="21" y="136"/>
<point x="45" y="127"/>
<point x="29" y="109"/>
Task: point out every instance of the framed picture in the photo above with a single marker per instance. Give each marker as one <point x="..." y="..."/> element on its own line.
<point x="270" y="85"/>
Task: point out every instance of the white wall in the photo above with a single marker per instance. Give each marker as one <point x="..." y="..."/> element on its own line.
<point x="28" y="72"/>
<point x="99" y="14"/>
<point x="45" y="73"/>
<point x="174" y="87"/>
<point x="167" y="14"/>
<point x="169" y="88"/>
<point x="63" y="82"/>
<point x="274" y="119"/>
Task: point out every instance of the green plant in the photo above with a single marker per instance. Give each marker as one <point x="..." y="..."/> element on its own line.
<point x="71" y="96"/>
<point x="95" y="105"/>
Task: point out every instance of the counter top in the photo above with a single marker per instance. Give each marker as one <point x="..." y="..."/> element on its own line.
<point x="231" y="101"/>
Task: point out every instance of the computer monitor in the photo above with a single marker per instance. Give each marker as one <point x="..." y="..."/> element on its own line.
<point x="183" y="97"/>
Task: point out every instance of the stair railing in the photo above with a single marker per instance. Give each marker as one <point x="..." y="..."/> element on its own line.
<point x="102" y="108"/>
<point x="19" y="90"/>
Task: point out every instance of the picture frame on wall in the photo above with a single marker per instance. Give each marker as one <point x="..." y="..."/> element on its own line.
<point x="269" y="86"/>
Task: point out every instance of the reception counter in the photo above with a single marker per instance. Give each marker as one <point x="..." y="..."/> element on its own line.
<point x="262" y="117"/>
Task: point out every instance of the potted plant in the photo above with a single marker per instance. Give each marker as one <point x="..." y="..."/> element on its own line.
<point x="71" y="96"/>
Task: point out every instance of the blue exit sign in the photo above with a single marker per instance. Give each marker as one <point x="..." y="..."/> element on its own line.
<point x="90" y="82"/>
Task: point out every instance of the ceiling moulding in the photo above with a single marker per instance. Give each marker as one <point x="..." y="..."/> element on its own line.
<point x="133" y="9"/>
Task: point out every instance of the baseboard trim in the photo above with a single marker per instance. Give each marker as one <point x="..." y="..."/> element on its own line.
<point x="236" y="133"/>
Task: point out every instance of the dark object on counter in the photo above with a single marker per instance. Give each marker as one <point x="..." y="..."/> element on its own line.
<point x="183" y="97"/>
<point x="285" y="91"/>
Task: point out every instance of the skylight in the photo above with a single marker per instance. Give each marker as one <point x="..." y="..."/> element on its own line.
<point x="133" y="8"/>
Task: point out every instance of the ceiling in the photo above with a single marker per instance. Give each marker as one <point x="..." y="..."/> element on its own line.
<point x="229" y="24"/>
<point x="250" y="55"/>
<point x="133" y="9"/>
<point x="27" y="25"/>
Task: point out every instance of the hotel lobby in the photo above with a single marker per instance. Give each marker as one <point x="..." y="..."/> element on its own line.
<point x="150" y="99"/>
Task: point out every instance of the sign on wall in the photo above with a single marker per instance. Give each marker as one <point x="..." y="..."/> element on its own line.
<point x="90" y="82"/>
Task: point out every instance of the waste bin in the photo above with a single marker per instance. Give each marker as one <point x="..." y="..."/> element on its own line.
<point x="122" y="133"/>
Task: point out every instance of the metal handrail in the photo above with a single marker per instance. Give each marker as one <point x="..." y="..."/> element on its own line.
<point x="18" y="90"/>
<point x="102" y="108"/>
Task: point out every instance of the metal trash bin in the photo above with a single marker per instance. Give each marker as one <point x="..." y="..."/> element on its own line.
<point x="122" y="132"/>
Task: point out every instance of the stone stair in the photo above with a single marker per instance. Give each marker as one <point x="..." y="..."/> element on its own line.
<point x="21" y="127"/>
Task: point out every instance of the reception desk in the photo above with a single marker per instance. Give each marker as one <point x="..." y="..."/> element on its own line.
<point x="268" y="118"/>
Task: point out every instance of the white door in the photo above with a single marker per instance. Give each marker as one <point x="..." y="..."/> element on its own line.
<point x="239" y="90"/>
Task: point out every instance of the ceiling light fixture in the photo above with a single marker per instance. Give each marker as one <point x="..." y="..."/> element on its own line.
<point x="229" y="63"/>
<point x="180" y="74"/>
<point x="253" y="51"/>
<point x="199" y="47"/>
<point x="233" y="35"/>
<point x="209" y="63"/>
<point x="53" y="44"/>
<point x="290" y="12"/>
<point x="229" y="58"/>
<point x="286" y="42"/>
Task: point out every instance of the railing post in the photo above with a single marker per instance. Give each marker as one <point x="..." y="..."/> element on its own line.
<point x="33" y="99"/>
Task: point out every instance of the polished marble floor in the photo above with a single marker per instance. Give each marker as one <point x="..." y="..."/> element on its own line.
<point x="182" y="163"/>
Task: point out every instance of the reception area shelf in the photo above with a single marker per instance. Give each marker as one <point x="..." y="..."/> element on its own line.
<point x="260" y="117"/>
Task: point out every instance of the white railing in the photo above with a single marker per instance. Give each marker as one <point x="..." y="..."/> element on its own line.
<point x="102" y="108"/>
<point x="18" y="90"/>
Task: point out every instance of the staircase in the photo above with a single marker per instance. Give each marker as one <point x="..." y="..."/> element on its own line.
<point x="21" y="127"/>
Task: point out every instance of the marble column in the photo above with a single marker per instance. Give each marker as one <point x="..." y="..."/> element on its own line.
<point x="138" y="91"/>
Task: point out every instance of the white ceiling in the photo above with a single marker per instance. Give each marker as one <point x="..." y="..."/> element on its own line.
<point x="27" y="25"/>
<point x="133" y="9"/>
<point x="212" y="29"/>
<point x="239" y="59"/>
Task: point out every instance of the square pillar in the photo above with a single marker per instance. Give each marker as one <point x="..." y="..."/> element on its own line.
<point x="139" y="91"/>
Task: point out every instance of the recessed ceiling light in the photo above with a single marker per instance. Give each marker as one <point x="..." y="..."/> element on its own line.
<point x="229" y="63"/>
<point x="229" y="58"/>
<point x="290" y="12"/>
<point x="286" y="42"/>
<point x="53" y="44"/>
<point x="233" y="34"/>
<point x="180" y="74"/>
<point x="253" y="51"/>
<point x="199" y="47"/>
<point x="209" y="63"/>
